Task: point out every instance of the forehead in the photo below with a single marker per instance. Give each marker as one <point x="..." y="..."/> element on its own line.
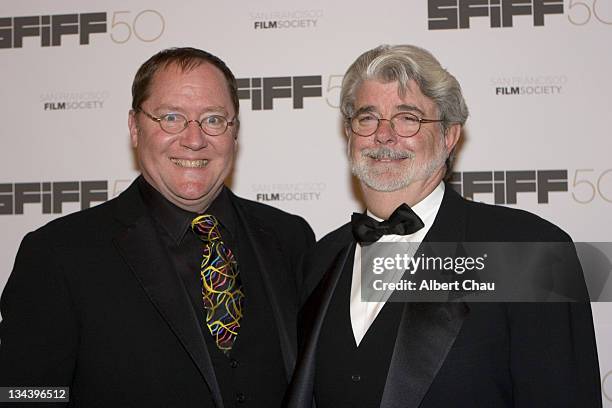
<point x="204" y="85"/>
<point x="385" y="97"/>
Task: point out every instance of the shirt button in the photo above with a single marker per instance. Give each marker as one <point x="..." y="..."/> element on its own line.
<point x="240" y="397"/>
<point x="355" y="377"/>
<point x="233" y="363"/>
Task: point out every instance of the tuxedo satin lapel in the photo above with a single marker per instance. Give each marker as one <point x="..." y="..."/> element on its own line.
<point x="301" y="389"/>
<point x="278" y="290"/>
<point x="425" y="335"/>
<point x="427" y="331"/>
<point x="146" y="257"/>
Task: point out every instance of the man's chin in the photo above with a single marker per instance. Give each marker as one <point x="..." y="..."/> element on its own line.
<point x="383" y="181"/>
<point x="385" y="185"/>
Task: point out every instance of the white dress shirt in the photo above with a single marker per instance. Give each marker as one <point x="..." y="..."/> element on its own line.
<point x="363" y="313"/>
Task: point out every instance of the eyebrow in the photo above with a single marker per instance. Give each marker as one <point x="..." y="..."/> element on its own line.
<point x="209" y="109"/>
<point x="399" y="108"/>
<point x="409" y="108"/>
<point x="365" y="109"/>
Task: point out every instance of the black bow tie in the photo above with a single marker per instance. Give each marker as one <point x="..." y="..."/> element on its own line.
<point x="403" y="221"/>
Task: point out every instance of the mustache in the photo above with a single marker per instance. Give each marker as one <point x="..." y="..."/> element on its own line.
<point x="387" y="153"/>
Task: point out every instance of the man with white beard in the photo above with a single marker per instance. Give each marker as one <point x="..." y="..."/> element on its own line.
<point x="403" y="118"/>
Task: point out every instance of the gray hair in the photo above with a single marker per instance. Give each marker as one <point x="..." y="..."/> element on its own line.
<point x="402" y="63"/>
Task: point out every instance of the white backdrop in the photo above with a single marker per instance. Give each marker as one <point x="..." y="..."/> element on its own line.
<point x="539" y="96"/>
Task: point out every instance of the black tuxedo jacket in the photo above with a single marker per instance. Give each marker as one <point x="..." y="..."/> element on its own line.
<point x="93" y="303"/>
<point x="466" y="355"/>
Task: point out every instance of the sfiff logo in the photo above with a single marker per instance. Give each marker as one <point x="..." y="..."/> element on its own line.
<point x="50" y="29"/>
<point x="585" y="185"/>
<point x="505" y="186"/>
<point x="50" y="196"/>
<point x="454" y="14"/>
<point x="263" y="91"/>
<point x="145" y="26"/>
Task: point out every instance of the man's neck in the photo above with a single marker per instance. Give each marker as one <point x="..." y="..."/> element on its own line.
<point x="383" y="203"/>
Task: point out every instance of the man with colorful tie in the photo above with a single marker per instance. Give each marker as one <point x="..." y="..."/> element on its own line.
<point x="175" y="294"/>
<point x="403" y="115"/>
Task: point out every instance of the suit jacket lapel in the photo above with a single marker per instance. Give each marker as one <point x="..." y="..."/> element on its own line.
<point x="425" y="335"/>
<point x="268" y="256"/>
<point x="427" y="331"/>
<point x="301" y="389"/>
<point x="142" y="251"/>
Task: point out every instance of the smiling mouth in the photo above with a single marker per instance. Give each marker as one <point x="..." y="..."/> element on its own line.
<point x="387" y="160"/>
<point x="387" y="155"/>
<point x="193" y="164"/>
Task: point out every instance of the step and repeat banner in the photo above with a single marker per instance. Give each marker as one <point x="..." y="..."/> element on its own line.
<point x="537" y="76"/>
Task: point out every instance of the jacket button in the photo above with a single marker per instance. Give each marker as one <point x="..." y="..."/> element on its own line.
<point x="233" y="363"/>
<point x="240" y="397"/>
<point x="355" y="378"/>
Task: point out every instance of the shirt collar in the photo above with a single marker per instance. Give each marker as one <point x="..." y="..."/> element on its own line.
<point x="427" y="206"/>
<point x="176" y="221"/>
<point x="426" y="209"/>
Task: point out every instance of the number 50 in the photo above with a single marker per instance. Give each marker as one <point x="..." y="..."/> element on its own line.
<point x="126" y="30"/>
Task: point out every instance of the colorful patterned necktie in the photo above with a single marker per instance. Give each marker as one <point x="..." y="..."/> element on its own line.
<point x="221" y="286"/>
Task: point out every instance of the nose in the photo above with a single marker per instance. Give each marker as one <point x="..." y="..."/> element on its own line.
<point x="193" y="138"/>
<point x="385" y="133"/>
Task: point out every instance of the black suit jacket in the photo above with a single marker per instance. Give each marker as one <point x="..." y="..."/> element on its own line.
<point x="467" y="355"/>
<point x="93" y="303"/>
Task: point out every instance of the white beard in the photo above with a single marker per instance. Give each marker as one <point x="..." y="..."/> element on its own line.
<point x="390" y="177"/>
